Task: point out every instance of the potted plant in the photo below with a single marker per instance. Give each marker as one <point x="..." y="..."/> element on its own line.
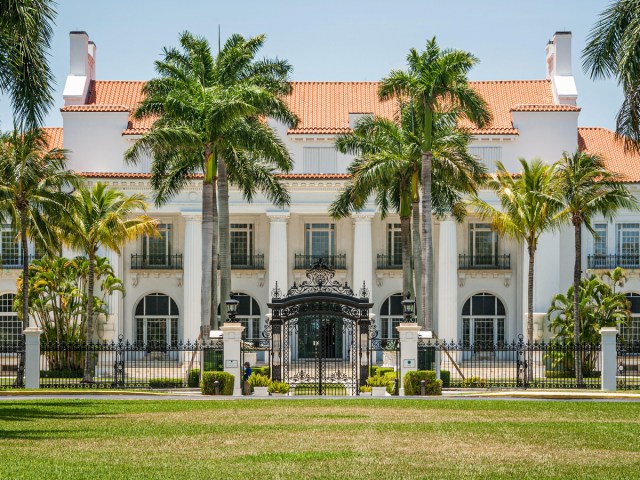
<point x="278" y="389"/>
<point x="259" y="384"/>
<point x="378" y="385"/>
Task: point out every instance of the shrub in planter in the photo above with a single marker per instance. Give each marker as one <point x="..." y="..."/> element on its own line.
<point x="412" y="383"/>
<point x="193" y="379"/>
<point x="279" y="387"/>
<point x="445" y="376"/>
<point x="378" y="381"/>
<point x="365" y="388"/>
<point x="257" y="380"/>
<point x="226" y="383"/>
<point x="165" y="383"/>
<point x="474" y="382"/>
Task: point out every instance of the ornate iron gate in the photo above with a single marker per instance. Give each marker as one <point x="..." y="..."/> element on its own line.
<point x="320" y="335"/>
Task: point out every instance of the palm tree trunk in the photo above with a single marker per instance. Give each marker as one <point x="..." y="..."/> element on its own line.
<point x="577" y="271"/>
<point x="532" y="254"/>
<point x="207" y="241"/>
<point x="225" y="247"/>
<point x="405" y="235"/>
<point x="19" y="381"/>
<point x="88" y="360"/>
<point x="417" y="257"/>
<point x="213" y="321"/>
<point x="427" y="244"/>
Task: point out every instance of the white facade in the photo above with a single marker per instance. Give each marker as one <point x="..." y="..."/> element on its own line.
<point x="271" y="241"/>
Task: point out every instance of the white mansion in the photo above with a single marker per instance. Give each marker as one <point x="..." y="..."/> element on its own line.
<point x="480" y="278"/>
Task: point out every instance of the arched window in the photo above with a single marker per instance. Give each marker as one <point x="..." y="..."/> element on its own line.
<point x="390" y="316"/>
<point x="631" y="331"/>
<point x="157" y="320"/>
<point x="248" y="315"/>
<point x="10" y="326"/>
<point x="483" y="321"/>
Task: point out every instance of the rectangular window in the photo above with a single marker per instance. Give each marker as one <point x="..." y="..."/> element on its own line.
<point x="394" y="244"/>
<point x="319" y="160"/>
<point x="483" y="244"/>
<point x="319" y="240"/>
<point x="156" y="251"/>
<point x="628" y="244"/>
<point x="241" y="244"/>
<point x="488" y="156"/>
<point x="11" y="251"/>
<point x="600" y="239"/>
<point x="631" y="332"/>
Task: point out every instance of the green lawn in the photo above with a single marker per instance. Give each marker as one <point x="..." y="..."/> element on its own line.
<point x="288" y="438"/>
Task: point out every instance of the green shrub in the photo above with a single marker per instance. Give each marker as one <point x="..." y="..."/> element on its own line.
<point x="261" y="371"/>
<point x="279" y="387"/>
<point x="226" y="383"/>
<point x="378" y="381"/>
<point x="193" y="379"/>
<point x="165" y="383"/>
<point x="411" y="383"/>
<point x="65" y="373"/>
<point x="445" y="376"/>
<point x="385" y="370"/>
<point x="257" y="380"/>
<point x="365" y="388"/>
<point x="474" y="382"/>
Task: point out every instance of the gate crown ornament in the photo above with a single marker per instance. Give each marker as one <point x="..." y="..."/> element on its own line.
<point x="320" y="279"/>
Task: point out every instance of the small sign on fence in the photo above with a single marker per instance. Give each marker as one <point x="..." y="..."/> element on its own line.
<point x="409" y="363"/>
<point x="231" y="364"/>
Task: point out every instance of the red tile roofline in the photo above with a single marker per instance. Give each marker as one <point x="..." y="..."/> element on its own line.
<point x="283" y="176"/>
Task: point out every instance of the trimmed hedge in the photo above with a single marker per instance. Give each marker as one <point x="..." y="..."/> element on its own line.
<point x="165" y="383"/>
<point x="445" y="376"/>
<point x="193" y="379"/>
<point x="474" y="382"/>
<point x="411" y="382"/>
<point x="226" y="383"/>
<point x="261" y="371"/>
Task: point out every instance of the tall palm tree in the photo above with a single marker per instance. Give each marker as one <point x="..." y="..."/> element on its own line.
<point x="613" y="50"/>
<point x="527" y="210"/>
<point x="586" y="189"/>
<point x="103" y="217"/>
<point x="25" y="37"/>
<point x="204" y="115"/>
<point x="33" y="185"/>
<point x="435" y="82"/>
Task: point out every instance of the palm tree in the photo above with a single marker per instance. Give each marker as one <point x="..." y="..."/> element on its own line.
<point x="586" y="189"/>
<point x="528" y="209"/>
<point x="435" y="82"/>
<point x="103" y="217"/>
<point x="33" y="185"/>
<point x="613" y="50"/>
<point x="208" y="110"/>
<point x="25" y="37"/>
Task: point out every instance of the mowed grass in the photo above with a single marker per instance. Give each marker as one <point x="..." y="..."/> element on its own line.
<point x="301" y="439"/>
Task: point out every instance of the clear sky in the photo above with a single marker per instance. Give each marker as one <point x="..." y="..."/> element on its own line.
<point x="337" y="39"/>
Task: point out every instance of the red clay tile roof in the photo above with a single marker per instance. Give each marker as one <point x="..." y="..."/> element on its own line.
<point x="54" y="137"/>
<point x="324" y="107"/>
<point x="95" y="108"/>
<point x="545" y="108"/>
<point x="283" y="176"/>
<point x="603" y="142"/>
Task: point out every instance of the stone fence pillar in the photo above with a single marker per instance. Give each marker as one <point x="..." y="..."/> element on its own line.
<point x="408" y="333"/>
<point x="609" y="354"/>
<point x="32" y="357"/>
<point x="232" y="338"/>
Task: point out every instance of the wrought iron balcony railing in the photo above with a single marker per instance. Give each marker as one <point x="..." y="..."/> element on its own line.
<point x="14" y="262"/>
<point x="484" y="262"/>
<point x="156" y="262"/>
<point x="609" y="262"/>
<point x="337" y="262"/>
<point x="389" y="262"/>
<point x="246" y="262"/>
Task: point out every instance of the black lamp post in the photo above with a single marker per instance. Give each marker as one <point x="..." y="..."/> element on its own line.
<point x="232" y="307"/>
<point x="408" y="308"/>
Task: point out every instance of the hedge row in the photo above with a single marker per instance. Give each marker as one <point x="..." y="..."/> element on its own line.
<point x="412" y="383"/>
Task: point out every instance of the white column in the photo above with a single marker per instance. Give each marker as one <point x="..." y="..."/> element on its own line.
<point x="231" y="336"/>
<point x="408" y="333"/>
<point x="115" y="324"/>
<point x="609" y="358"/>
<point x="362" y="251"/>
<point x="447" y="280"/>
<point x="192" y="276"/>
<point x="278" y="251"/>
<point x="32" y="357"/>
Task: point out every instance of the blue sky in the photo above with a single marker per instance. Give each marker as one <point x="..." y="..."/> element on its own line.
<point x="337" y="40"/>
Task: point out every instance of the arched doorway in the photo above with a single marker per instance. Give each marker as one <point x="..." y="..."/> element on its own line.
<point x="248" y="314"/>
<point x="390" y="316"/>
<point x="10" y="326"/>
<point x="157" y="321"/>
<point x="483" y="318"/>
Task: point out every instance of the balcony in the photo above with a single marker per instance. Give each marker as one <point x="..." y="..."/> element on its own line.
<point x="484" y="262"/>
<point x="390" y="262"/>
<point x="246" y="262"/>
<point x="609" y="262"/>
<point x="156" y="262"/>
<point x="337" y="262"/>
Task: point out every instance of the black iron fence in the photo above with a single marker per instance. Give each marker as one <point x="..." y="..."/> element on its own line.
<point x="484" y="262"/>
<point x="156" y="262"/>
<point x="126" y="365"/>
<point x="9" y="363"/>
<point x="609" y="262"/>
<point x="628" y="362"/>
<point x="337" y="262"/>
<point x="511" y="365"/>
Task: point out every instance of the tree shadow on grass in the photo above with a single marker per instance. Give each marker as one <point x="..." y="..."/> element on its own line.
<point x="19" y="411"/>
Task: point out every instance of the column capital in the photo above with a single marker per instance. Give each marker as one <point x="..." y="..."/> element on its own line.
<point x="282" y="217"/>
<point x="363" y="217"/>
<point x="192" y="217"/>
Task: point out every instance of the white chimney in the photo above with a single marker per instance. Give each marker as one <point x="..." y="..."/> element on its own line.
<point x="82" y="68"/>
<point x="559" y="69"/>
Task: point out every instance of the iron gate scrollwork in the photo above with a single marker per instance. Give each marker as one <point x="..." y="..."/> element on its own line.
<point x="320" y="334"/>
